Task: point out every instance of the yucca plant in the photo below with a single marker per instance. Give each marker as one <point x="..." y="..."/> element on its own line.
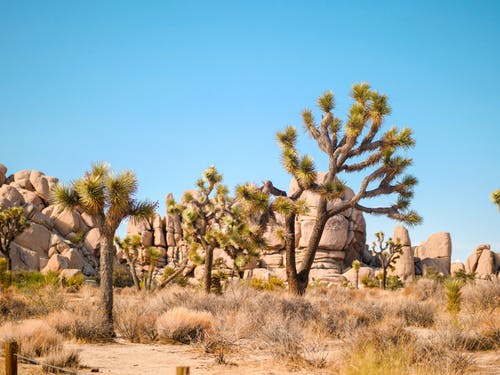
<point x="453" y="290"/>
<point x="357" y="145"/>
<point x="109" y="199"/>
<point x="12" y="224"/>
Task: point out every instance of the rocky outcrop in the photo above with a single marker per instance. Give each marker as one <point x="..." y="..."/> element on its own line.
<point x="404" y="266"/>
<point x="54" y="239"/>
<point x="435" y="252"/>
<point x="483" y="262"/>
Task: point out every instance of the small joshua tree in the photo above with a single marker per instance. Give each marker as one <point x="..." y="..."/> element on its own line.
<point x="387" y="252"/>
<point x="12" y="224"/>
<point x="212" y="219"/>
<point x="356" y="264"/>
<point x="495" y="197"/>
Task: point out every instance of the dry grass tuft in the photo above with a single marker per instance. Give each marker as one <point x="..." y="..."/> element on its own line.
<point x="34" y="337"/>
<point x="183" y="325"/>
<point x="62" y="358"/>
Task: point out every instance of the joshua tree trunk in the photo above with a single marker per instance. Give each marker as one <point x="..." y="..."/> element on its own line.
<point x="106" y="264"/>
<point x="302" y="277"/>
<point x="291" y="267"/>
<point x="384" y="278"/>
<point x="207" y="277"/>
<point x="133" y="272"/>
<point x="356" y="280"/>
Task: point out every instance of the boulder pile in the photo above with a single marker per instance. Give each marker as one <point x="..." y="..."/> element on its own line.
<point x="56" y="239"/>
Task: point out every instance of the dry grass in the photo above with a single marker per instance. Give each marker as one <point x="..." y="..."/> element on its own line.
<point x="35" y="338"/>
<point x="183" y="325"/>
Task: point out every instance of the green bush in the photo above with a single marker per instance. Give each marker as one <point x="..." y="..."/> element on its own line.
<point x="272" y="284"/>
<point x="34" y="280"/>
<point x="122" y="277"/>
<point x="370" y="282"/>
<point x="74" y="282"/>
<point x="394" y="282"/>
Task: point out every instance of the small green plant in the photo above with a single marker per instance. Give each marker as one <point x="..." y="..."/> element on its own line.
<point x="34" y="280"/>
<point x="464" y="276"/>
<point x="122" y="277"/>
<point x="74" y="283"/>
<point x="273" y="283"/>
<point x="369" y="282"/>
<point x="394" y="282"/>
<point x="453" y="289"/>
<point x="179" y="280"/>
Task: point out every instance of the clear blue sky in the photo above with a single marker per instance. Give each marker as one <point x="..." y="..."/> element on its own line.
<point x="167" y="88"/>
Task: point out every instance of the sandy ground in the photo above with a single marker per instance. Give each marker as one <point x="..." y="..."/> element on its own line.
<point x="146" y="359"/>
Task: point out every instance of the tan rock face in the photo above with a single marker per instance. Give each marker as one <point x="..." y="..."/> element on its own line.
<point x="23" y="179"/>
<point x="36" y="238"/>
<point x="24" y="259"/>
<point x="92" y="239"/>
<point x="75" y="259"/>
<point x="42" y="184"/>
<point x="482" y="261"/>
<point x="56" y="263"/>
<point x="363" y="272"/>
<point x="68" y="221"/>
<point x="436" y="247"/>
<point x="3" y="172"/>
<point x="9" y="196"/>
<point x="405" y="264"/>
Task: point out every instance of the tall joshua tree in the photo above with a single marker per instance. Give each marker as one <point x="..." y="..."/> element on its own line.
<point x="108" y="198"/>
<point x="357" y="145"/>
<point x="212" y="219"/>
<point x="495" y="197"/>
<point x="12" y="224"/>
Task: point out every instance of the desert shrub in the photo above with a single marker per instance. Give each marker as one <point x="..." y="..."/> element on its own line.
<point x="460" y="339"/>
<point x="481" y="296"/>
<point x="42" y="301"/>
<point x="179" y="280"/>
<point x="420" y="314"/>
<point x="369" y="282"/>
<point x="33" y="280"/>
<point x="74" y="283"/>
<point x="273" y="283"/>
<point x="464" y="276"/>
<point x="122" y="277"/>
<point x="183" y="325"/>
<point x="34" y="337"/>
<point x="13" y="306"/>
<point x="62" y="321"/>
<point x="424" y="289"/>
<point x="393" y="282"/>
<point x="62" y="358"/>
<point x="89" y="326"/>
<point x="135" y="320"/>
<point x="297" y="308"/>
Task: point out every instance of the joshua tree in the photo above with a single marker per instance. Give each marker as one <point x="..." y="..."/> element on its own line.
<point x="356" y="264"/>
<point x="109" y="198"/>
<point x="212" y="219"/>
<point x="357" y="145"/>
<point x="387" y="252"/>
<point x="495" y="197"/>
<point x="131" y="246"/>
<point x="12" y="224"/>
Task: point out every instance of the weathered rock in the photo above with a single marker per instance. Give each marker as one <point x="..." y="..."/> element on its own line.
<point x="31" y="197"/>
<point x="24" y="259"/>
<point x="334" y="235"/>
<point x="457" y="266"/>
<point x="3" y="172"/>
<point x="59" y="243"/>
<point x="69" y="273"/>
<point x="436" y="264"/>
<point x="88" y="270"/>
<point x="75" y="259"/>
<point x="56" y="263"/>
<point x="42" y="219"/>
<point x="437" y="247"/>
<point x="271" y="261"/>
<point x="273" y="241"/>
<point x="36" y="238"/>
<point x="486" y="264"/>
<point x="159" y="231"/>
<point x="326" y="276"/>
<point x="259" y="273"/>
<point x="9" y="196"/>
<point x="404" y="266"/>
<point x="23" y="179"/>
<point x="68" y="221"/>
<point x="42" y="184"/>
<point x="92" y="239"/>
<point x="147" y="238"/>
<point x="227" y="261"/>
<point x="473" y="260"/>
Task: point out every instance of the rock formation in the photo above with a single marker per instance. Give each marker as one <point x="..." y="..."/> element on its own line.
<point x="435" y="252"/>
<point x="484" y="262"/>
<point x="56" y="239"/>
<point x="405" y="264"/>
